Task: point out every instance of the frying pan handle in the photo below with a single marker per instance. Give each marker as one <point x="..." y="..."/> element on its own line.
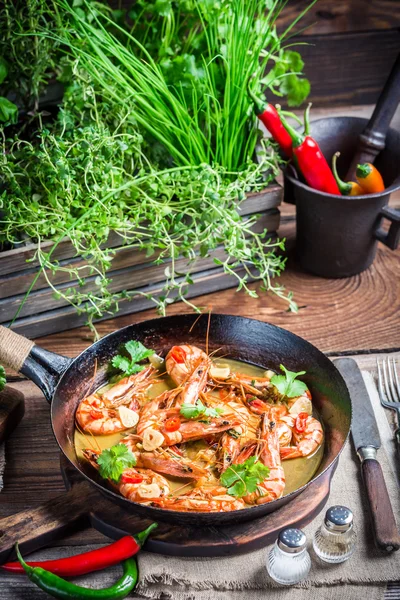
<point x="40" y="366"/>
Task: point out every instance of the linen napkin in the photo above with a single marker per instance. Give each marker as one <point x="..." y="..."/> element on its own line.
<point x="244" y="577"/>
<point x="183" y="579"/>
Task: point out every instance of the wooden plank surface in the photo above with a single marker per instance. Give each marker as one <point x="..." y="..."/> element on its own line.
<point x="327" y="17"/>
<point x="353" y="316"/>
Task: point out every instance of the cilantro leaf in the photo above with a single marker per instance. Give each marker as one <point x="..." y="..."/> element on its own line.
<point x="2" y="378"/>
<point x="244" y="478"/>
<point x="293" y="60"/>
<point x="287" y="384"/>
<point x="113" y="462"/>
<point x="137" y="352"/>
<point x="193" y="411"/>
<point x="295" y="88"/>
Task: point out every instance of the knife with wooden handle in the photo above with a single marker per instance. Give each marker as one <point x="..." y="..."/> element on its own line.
<point x="366" y="439"/>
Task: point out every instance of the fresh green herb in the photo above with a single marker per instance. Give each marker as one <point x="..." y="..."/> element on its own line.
<point x="155" y="141"/>
<point x="137" y="353"/>
<point x="244" y="478"/>
<point x="31" y="60"/>
<point x="193" y="411"/>
<point x="113" y="462"/>
<point x="8" y="110"/>
<point x="2" y="378"/>
<point x="287" y="384"/>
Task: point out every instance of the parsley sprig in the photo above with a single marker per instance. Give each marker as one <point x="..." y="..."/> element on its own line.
<point x="193" y="411"/>
<point x="2" y="378"/>
<point x="113" y="462"/>
<point x="244" y="478"/>
<point x="137" y="352"/>
<point x="288" y="385"/>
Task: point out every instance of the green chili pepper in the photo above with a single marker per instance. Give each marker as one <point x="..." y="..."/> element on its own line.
<point x="60" y="588"/>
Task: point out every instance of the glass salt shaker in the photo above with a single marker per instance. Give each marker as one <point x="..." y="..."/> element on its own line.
<point x="335" y="540"/>
<point x="288" y="561"/>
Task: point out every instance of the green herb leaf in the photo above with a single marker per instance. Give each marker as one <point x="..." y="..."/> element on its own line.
<point x="287" y="384"/>
<point x="113" y="462"/>
<point x="8" y="111"/>
<point x="2" y="378"/>
<point x="3" y="70"/>
<point x="193" y="411"/>
<point x="295" y="88"/>
<point x="137" y="352"/>
<point x="244" y="478"/>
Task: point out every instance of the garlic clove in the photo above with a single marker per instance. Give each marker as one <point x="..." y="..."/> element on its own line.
<point x="149" y="490"/>
<point x="152" y="439"/>
<point x="220" y="371"/>
<point x="301" y="404"/>
<point x="269" y="373"/>
<point x="128" y="417"/>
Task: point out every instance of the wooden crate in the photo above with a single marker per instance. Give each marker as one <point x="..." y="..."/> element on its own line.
<point x="43" y="314"/>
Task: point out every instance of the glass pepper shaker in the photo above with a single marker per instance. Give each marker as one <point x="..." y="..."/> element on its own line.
<point x="288" y="561"/>
<point x="335" y="540"/>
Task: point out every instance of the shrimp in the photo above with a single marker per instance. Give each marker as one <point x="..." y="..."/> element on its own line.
<point x="155" y="412"/>
<point x="163" y="461"/>
<point x="181" y="361"/>
<point x="308" y="438"/>
<point x="188" y="367"/>
<point x="229" y="444"/>
<point x="284" y="423"/>
<point x="268" y="449"/>
<point x="153" y="417"/>
<point x="100" y="413"/>
<point x="203" y="500"/>
<point x="138" y="485"/>
<point x="97" y="417"/>
<point x="191" y="430"/>
<point x="130" y="387"/>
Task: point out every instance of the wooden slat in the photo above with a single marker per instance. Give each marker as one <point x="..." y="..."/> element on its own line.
<point x="66" y="318"/>
<point x="128" y="278"/>
<point x="348" y="68"/>
<point x="327" y="17"/>
<point x="15" y="260"/>
<point x="357" y="314"/>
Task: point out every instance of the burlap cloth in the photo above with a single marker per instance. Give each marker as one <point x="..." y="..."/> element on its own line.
<point x="365" y="574"/>
<point x="363" y="577"/>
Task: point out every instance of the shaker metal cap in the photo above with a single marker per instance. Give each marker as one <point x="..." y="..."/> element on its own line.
<point x="292" y="540"/>
<point x="338" y="518"/>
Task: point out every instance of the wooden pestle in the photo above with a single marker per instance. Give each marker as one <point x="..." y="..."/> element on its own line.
<point x="372" y="139"/>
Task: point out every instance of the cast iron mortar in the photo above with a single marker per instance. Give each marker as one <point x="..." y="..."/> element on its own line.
<point x="337" y="236"/>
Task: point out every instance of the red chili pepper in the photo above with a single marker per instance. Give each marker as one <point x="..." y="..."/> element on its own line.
<point x="95" y="414"/>
<point x="311" y="162"/>
<point x="258" y="405"/>
<point x="301" y="421"/>
<point x="131" y="476"/>
<point x="269" y="116"/>
<point x="177" y="354"/>
<point x="81" y="564"/>
<point x="172" y="424"/>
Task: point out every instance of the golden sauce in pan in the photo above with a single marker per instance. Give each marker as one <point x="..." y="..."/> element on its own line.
<point x="298" y="471"/>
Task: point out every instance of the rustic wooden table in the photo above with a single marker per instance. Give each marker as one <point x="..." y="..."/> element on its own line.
<point x="358" y="316"/>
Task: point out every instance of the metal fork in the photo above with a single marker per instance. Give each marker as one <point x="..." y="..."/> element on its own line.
<point x="389" y="391"/>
